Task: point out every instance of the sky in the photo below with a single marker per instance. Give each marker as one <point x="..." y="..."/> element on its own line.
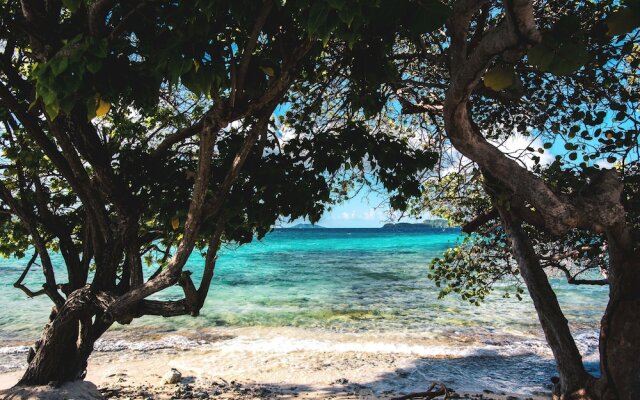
<point x="364" y="210"/>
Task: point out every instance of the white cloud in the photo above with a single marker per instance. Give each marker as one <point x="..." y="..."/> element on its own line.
<point x="516" y="147"/>
<point x="604" y="164"/>
<point x="346" y="216"/>
<point x="373" y="214"/>
<point x="286" y="134"/>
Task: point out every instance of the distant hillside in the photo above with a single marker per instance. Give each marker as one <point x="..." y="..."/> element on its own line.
<point x="306" y="226"/>
<point x="428" y="223"/>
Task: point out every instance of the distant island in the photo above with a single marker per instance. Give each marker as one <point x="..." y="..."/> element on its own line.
<point x="427" y="223"/>
<point x="306" y="226"/>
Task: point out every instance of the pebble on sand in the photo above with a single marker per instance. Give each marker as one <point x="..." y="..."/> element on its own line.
<point x="172" y="377"/>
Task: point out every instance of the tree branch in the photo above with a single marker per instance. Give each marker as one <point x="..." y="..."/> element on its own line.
<point x="597" y="209"/>
<point x="480" y="220"/>
<point x="28" y="220"/>
<point x="177" y="137"/>
<point x="256" y="131"/>
<point x="552" y="320"/>
<point x="210" y="263"/>
<point x="98" y="11"/>
<point x="18" y="283"/>
<point x="252" y="41"/>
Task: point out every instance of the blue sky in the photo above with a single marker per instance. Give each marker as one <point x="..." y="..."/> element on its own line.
<point x="365" y="210"/>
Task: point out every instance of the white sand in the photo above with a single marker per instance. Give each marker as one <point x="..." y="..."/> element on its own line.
<point x="284" y="365"/>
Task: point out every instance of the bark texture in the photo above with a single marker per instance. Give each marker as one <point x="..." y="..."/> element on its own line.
<point x="67" y="341"/>
<point x="620" y="328"/>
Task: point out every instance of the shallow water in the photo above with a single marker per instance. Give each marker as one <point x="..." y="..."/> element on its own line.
<point x="354" y="281"/>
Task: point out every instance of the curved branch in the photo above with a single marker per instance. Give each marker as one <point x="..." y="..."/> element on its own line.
<point x="69" y="167"/>
<point x="480" y="220"/>
<point x="213" y="207"/>
<point x="18" y="283"/>
<point x="29" y="222"/>
<point x="597" y="208"/>
<point x="210" y="263"/>
<point x="177" y="137"/>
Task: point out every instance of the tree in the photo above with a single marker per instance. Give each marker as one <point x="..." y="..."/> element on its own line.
<point x="565" y="72"/>
<point x="562" y="73"/>
<point x="139" y="132"/>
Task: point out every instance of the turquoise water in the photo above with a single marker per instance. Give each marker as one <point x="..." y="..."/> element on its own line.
<point x="333" y="280"/>
<point x="338" y="279"/>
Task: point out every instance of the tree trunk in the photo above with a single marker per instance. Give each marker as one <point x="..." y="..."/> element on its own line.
<point x="620" y="330"/>
<point x="575" y="382"/>
<point x="67" y="341"/>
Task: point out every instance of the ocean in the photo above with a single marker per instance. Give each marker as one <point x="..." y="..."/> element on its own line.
<point x="368" y="282"/>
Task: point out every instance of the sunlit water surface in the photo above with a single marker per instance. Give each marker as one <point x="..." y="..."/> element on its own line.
<point x="354" y="281"/>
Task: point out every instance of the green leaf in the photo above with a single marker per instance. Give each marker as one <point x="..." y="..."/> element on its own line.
<point x="52" y="110"/>
<point x="623" y="21"/>
<point x="566" y="26"/>
<point x="48" y="96"/>
<point x="337" y="4"/>
<point x="72" y="5"/>
<point x="58" y="65"/>
<point x="347" y="15"/>
<point x="541" y="55"/>
<point x="558" y="57"/>
<point x="91" y="105"/>
<point x="429" y="16"/>
<point x="500" y="77"/>
<point x="317" y="17"/>
<point x="569" y="58"/>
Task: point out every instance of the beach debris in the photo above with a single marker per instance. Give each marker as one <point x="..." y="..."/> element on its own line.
<point x="436" y="389"/>
<point x="172" y="377"/>
<point x="341" y="381"/>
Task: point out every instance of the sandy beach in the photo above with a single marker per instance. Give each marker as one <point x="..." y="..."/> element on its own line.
<point x="280" y="364"/>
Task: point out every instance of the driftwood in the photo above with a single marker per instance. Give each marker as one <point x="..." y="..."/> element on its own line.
<point x="436" y="389"/>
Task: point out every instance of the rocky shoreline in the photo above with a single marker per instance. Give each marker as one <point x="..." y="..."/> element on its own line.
<point x="187" y="388"/>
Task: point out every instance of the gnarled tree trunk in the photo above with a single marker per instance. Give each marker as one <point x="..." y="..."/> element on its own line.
<point x="67" y="341"/>
<point x="620" y="328"/>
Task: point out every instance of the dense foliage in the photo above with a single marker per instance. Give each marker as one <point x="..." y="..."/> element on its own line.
<point x="134" y="133"/>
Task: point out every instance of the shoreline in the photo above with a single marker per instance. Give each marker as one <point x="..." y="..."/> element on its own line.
<point x="295" y="363"/>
